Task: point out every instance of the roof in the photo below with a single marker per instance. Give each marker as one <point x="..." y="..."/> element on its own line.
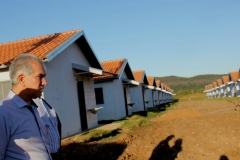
<point x="157" y="83"/>
<point x="47" y="47"/>
<point x="214" y="84"/>
<point x="116" y="67"/>
<point x="151" y="81"/>
<point x="225" y="79"/>
<point x="234" y="76"/>
<point x="140" y="76"/>
<point x="113" y="66"/>
<point x="219" y="82"/>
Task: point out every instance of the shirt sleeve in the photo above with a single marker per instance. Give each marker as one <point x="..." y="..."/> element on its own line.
<point x="4" y="134"/>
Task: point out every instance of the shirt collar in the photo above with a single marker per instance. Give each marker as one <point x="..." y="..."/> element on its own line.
<point x="16" y="99"/>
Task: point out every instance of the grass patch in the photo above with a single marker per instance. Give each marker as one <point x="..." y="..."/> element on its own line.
<point x="138" y="119"/>
<point x="94" y="135"/>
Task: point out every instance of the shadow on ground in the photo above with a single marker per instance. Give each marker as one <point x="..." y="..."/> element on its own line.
<point x="92" y="150"/>
<point x="164" y="152"/>
<point x="223" y="157"/>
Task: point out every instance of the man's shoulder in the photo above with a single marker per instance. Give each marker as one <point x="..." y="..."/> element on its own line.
<point x="6" y="104"/>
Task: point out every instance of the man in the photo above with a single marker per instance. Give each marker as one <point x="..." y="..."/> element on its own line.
<point x="53" y="124"/>
<point x="23" y="132"/>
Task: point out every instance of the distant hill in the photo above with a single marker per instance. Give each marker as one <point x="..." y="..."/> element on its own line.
<point x="192" y="83"/>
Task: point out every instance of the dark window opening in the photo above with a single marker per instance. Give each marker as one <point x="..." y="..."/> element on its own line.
<point x="99" y="96"/>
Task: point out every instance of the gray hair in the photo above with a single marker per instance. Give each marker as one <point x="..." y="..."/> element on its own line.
<point x="22" y="65"/>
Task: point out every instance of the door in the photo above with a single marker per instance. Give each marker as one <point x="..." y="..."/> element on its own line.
<point x="82" y="105"/>
<point x="144" y="105"/>
<point x="125" y="99"/>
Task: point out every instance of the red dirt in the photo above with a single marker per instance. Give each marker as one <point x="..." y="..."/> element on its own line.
<point x="191" y="130"/>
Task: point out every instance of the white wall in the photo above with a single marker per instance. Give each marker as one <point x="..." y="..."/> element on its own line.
<point x="148" y="97"/>
<point x="114" y="103"/>
<point x="61" y="91"/>
<point x="229" y="89"/>
<point x="155" y="97"/>
<point x="137" y="98"/>
<point x="238" y="89"/>
<point x="4" y="76"/>
<point x="161" y="97"/>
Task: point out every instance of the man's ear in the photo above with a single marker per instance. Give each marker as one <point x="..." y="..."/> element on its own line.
<point x="21" y="79"/>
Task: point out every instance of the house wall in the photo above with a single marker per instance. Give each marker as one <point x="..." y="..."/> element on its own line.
<point x="238" y="89"/>
<point x="4" y="76"/>
<point x="229" y="90"/>
<point x="161" y="97"/>
<point x="233" y="90"/>
<point x="114" y="103"/>
<point x="137" y="98"/>
<point x="61" y="91"/>
<point x="5" y="84"/>
<point x="224" y="91"/>
<point x="164" y="97"/>
<point x="148" y="97"/>
<point x="155" y="97"/>
<point x="129" y="100"/>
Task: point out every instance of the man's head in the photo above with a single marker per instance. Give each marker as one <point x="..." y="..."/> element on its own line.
<point x="27" y="73"/>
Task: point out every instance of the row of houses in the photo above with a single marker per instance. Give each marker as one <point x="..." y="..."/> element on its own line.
<point x="82" y="89"/>
<point x="227" y="86"/>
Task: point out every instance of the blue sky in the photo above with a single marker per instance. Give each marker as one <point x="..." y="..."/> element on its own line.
<point x="163" y="37"/>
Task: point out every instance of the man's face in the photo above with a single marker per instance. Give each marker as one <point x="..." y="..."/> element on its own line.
<point x="34" y="83"/>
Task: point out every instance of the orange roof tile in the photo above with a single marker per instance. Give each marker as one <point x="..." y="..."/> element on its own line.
<point x="39" y="46"/>
<point x="211" y="86"/>
<point x="138" y="75"/>
<point x="113" y="66"/>
<point x="225" y="79"/>
<point x="157" y="83"/>
<point x="150" y="80"/>
<point x="219" y="82"/>
<point x="214" y="84"/>
<point x="234" y="76"/>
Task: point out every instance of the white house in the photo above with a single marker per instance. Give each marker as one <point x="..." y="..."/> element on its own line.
<point x="70" y="63"/>
<point x="206" y="91"/>
<point x="220" y="90"/>
<point x="233" y="83"/>
<point x="113" y="92"/>
<point x="238" y="85"/>
<point x="141" y="103"/>
<point x="226" y="80"/>
<point x="158" y="88"/>
<point x="152" y="94"/>
<point x="215" y="89"/>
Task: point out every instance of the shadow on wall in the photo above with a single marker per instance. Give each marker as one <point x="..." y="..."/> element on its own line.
<point x="92" y="150"/>
<point x="164" y="152"/>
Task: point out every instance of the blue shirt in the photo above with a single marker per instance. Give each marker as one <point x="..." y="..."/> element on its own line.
<point x="20" y="136"/>
<point x="49" y="117"/>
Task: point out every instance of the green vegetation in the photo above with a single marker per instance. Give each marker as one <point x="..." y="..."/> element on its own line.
<point x="190" y="84"/>
<point x="138" y="119"/>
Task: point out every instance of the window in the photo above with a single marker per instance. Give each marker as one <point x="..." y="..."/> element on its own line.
<point x="99" y="96"/>
<point x="4" y="89"/>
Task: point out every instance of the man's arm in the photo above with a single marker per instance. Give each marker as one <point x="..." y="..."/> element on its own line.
<point x="4" y="134"/>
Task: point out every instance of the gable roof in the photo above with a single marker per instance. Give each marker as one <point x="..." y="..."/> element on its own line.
<point x="233" y="76"/>
<point x="47" y="47"/>
<point x="214" y="84"/>
<point x="219" y="82"/>
<point x="157" y="83"/>
<point x="211" y="86"/>
<point x="225" y="79"/>
<point x="151" y="81"/>
<point x="140" y="76"/>
<point x="116" y="67"/>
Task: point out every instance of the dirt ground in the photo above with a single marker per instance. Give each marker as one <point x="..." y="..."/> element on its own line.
<point x="190" y="130"/>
